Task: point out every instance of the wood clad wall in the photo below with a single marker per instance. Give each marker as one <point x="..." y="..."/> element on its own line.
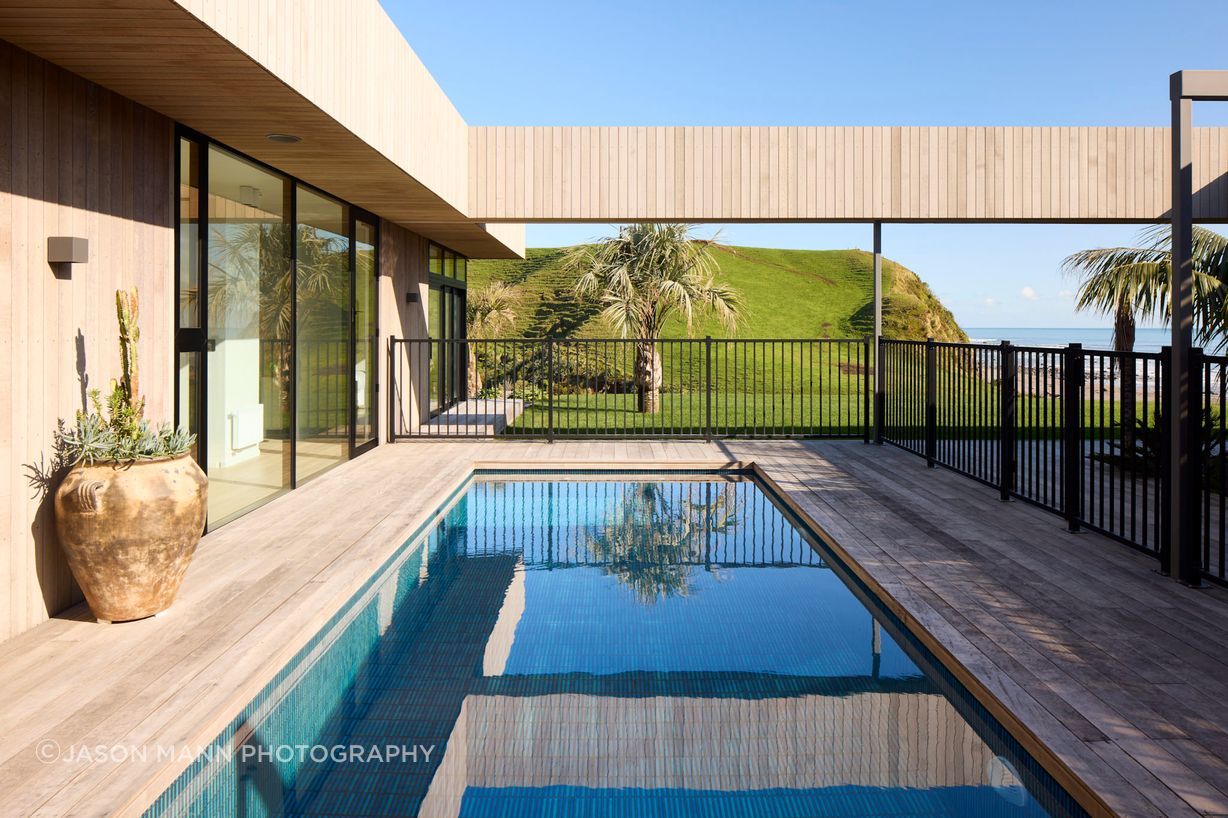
<point x="350" y="60"/>
<point x="836" y="173"/>
<point x="75" y="160"/>
<point x="402" y="269"/>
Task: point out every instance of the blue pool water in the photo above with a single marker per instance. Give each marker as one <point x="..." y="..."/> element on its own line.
<point x="580" y="645"/>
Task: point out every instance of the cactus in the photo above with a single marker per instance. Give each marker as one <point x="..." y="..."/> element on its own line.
<point x="126" y="307"/>
<point x="117" y="432"/>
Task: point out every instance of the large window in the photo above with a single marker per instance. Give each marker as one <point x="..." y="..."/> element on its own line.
<point x="275" y="329"/>
<point x="446" y="324"/>
<point x="248" y="352"/>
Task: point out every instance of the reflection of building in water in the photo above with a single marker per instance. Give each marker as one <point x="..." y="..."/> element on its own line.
<point x="914" y="740"/>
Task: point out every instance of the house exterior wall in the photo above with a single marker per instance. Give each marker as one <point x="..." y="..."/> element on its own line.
<point x="78" y="160"/>
<point x="75" y="160"/>
<point x="403" y="269"/>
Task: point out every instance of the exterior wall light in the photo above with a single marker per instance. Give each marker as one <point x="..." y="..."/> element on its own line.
<point x="67" y="250"/>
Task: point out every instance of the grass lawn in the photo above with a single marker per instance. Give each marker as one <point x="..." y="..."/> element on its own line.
<point x="685" y="414"/>
<point x="786" y="294"/>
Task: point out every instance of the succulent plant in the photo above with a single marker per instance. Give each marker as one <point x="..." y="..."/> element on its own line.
<point x="118" y="431"/>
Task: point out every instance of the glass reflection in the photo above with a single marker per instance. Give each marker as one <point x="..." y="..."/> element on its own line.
<point x="324" y="386"/>
<point x="249" y="351"/>
<point x="189" y="234"/>
<point x="366" y="332"/>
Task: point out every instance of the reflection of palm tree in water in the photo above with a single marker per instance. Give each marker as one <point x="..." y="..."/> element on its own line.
<point x="657" y="532"/>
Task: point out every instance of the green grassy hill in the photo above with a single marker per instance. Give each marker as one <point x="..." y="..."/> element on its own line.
<point x="788" y="294"/>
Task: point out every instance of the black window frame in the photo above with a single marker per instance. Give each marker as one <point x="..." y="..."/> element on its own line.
<point x="195" y="339"/>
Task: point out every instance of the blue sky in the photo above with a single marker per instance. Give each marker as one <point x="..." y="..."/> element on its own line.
<point x="671" y="62"/>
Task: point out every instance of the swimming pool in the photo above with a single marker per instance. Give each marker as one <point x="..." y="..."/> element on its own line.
<point x="614" y="645"/>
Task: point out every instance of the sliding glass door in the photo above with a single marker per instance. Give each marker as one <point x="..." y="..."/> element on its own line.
<point x="323" y="311"/>
<point x="248" y="334"/>
<point x="276" y="326"/>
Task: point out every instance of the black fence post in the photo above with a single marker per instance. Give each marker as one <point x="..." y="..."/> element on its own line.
<point x="880" y="393"/>
<point x="931" y="402"/>
<point x="1006" y="441"/>
<point x="867" y="385"/>
<point x="1165" y="431"/>
<point x="1195" y="445"/>
<point x="550" y="389"/>
<point x="708" y="388"/>
<point x="1072" y="436"/>
<point x="391" y="381"/>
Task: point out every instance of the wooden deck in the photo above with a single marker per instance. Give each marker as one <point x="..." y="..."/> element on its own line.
<point x="1120" y="673"/>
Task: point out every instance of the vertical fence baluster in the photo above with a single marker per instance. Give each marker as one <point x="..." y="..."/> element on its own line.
<point x="866" y="386"/>
<point x="708" y="388"/>
<point x="550" y="389"/>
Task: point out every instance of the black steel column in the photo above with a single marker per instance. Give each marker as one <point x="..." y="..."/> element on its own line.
<point x="1183" y="419"/>
<point x="879" y="412"/>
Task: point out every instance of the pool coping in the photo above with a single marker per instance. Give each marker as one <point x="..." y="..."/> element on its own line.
<point x="1048" y="759"/>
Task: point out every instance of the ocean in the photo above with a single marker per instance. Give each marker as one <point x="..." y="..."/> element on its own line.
<point x="1148" y="339"/>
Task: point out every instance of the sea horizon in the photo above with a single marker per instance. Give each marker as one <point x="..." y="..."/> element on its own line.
<point x="1146" y="339"/>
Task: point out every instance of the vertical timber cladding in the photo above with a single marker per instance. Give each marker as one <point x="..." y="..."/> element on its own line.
<point x="402" y="273"/>
<point x="928" y="174"/>
<point x="75" y="160"/>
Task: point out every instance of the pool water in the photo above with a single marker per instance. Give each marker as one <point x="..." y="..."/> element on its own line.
<point x="576" y="644"/>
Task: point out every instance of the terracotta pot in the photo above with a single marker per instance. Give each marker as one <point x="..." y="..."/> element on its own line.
<point x="130" y="531"/>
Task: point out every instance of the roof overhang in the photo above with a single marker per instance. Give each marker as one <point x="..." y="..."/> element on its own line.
<point x="376" y="130"/>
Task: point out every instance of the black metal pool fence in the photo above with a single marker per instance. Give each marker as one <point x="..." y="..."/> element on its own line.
<point x="676" y="388"/>
<point x="1077" y="431"/>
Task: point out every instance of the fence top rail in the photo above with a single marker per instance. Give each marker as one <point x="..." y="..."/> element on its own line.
<point x="526" y="340"/>
<point x="1217" y="360"/>
<point x="1132" y="355"/>
<point x="1046" y="349"/>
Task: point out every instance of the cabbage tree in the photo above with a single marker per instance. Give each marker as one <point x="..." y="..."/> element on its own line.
<point x="644" y="276"/>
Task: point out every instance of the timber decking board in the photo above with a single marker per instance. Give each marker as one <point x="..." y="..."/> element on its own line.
<point x="1119" y="672"/>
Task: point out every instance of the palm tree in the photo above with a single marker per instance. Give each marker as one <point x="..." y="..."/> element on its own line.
<point x="1132" y="284"/>
<point x="644" y="276"/>
<point x="489" y="311"/>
